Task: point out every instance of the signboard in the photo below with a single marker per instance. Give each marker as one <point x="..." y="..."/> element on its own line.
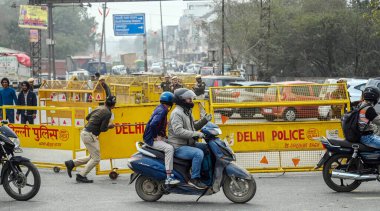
<point x="279" y="136"/>
<point x="8" y="65"/>
<point x="129" y="24"/>
<point x="33" y="17"/>
<point x="33" y="35"/>
<point x="46" y="136"/>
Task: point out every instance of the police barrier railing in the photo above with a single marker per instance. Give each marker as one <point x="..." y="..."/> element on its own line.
<point x="119" y="143"/>
<point x="272" y="128"/>
<point x="46" y="138"/>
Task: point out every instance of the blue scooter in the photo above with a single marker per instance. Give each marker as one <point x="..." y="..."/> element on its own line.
<point x="217" y="171"/>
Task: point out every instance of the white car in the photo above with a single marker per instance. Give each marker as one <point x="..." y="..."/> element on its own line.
<point x="354" y="88"/>
<point x="156" y="67"/>
<point x="193" y="68"/>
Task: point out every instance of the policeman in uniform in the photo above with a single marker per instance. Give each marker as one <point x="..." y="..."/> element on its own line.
<point x="176" y="84"/>
<point x="166" y="85"/>
<point x="199" y="88"/>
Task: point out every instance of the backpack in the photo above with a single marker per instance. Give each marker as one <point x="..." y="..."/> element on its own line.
<point x="350" y="125"/>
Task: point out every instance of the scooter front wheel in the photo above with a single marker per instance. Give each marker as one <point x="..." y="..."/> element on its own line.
<point x="239" y="190"/>
<point x="148" y="189"/>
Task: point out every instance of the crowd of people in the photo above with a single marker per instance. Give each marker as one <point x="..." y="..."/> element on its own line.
<point x="173" y="83"/>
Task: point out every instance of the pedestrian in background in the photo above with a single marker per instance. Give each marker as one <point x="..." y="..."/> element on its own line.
<point x="97" y="76"/>
<point x="34" y="86"/>
<point x="8" y="97"/>
<point x="98" y="121"/>
<point x="26" y="98"/>
<point x="102" y="81"/>
<point x="166" y="85"/>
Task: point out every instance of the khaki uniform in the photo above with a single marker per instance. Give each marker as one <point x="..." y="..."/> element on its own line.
<point x="175" y="86"/>
<point x="166" y="86"/>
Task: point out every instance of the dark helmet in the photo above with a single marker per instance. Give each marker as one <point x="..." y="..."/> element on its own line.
<point x="211" y="130"/>
<point x="371" y="94"/>
<point x="111" y="101"/>
<point x="167" y="98"/>
<point x="180" y="96"/>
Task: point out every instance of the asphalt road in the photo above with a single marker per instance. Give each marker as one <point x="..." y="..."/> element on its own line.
<point x="292" y="191"/>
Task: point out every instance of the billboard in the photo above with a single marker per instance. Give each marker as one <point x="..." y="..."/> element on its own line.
<point x="33" y="17"/>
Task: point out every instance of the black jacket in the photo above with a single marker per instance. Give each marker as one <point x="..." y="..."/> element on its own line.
<point x="30" y="101"/>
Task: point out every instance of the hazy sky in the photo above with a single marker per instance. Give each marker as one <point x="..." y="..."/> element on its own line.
<point x="171" y="12"/>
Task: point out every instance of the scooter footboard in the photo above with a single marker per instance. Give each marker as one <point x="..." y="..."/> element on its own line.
<point x="233" y="170"/>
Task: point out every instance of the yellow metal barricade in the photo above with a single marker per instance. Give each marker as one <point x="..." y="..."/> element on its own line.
<point x="272" y="128"/>
<point x="48" y="136"/>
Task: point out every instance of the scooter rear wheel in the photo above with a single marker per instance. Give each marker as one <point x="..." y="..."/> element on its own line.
<point x="241" y="192"/>
<point x="148" y="189"/>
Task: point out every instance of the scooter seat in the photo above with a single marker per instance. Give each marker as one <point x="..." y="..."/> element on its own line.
<point x="161" y="155"/>
<point x="347" y="144"/>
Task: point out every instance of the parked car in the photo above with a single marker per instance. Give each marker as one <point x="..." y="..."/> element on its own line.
<point x="156" y="67"/>
<point x="193" y="68"/>
<point x="355" y="88"/>
<point x="219" y="81"/>
<point x="237" y="95"/>
<point x="307" y="92"/>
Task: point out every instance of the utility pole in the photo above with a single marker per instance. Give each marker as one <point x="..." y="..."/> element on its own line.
<point x="162" y="40"/>
<point x="222" y="38"/>
<point x="103" y="35"/>
<point x="145" y="53"/>
<point x="49" y="40"/>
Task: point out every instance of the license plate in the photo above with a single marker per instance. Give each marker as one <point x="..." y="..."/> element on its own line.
<point x="268" y="110"/>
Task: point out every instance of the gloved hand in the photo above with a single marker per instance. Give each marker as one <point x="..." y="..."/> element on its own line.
<point x="208" y="117"/>
<point x="198" y="135"/>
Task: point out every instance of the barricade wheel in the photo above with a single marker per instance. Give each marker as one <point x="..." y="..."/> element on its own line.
<point x="113" y="175"/>
<point x="56" y="169"/>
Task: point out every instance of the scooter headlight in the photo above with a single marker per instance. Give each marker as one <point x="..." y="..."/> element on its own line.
<point x="16" y="141"/>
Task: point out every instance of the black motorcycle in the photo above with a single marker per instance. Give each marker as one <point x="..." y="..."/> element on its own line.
<point x="346" y="165"/>
<point x="19" y="177"/>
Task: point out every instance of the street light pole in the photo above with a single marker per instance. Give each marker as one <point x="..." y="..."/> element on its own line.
<point x="102" y="39"/>
<point x="162" y="40"/>
<point x="222" y="37"/>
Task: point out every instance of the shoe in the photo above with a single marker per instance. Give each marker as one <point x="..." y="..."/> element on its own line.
<point x="82" y="179"/>
<point x="171" y="181"/>
<point x="197" y="184"/>
<point x="69" y="166"/>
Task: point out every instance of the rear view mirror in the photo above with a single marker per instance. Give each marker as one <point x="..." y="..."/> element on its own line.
<point x="4" y="122"/>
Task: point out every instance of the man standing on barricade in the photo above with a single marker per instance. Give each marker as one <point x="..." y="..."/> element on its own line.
<point x="8" y="97"/>
<point x="26" y="98"/>
<point x="106" y="88"/>
<point x="98" y="121"/>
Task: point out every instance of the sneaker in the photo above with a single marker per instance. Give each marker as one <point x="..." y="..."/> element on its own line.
<point x="82" y="179"/>
<point x="171" y="181"/>
<point x="69" y="166"/>
<point x="197" y="184"/>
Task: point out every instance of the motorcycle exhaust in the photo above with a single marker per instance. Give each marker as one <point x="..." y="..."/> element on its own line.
<point x="353" y="176"/>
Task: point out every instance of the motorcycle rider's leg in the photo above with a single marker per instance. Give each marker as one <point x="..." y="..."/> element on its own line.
<point x="371" y="141"/>
<point x="196" y="155"/>
<point x="169" y="153"/>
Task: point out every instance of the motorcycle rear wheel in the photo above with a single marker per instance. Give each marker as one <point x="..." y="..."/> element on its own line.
<point x="242" y="194"/>
<point x="148" y="189"/>
<point x="339" y="162"/>
<point x="21" y="181"/>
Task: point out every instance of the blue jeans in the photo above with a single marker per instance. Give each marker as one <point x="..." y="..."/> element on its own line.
<point x="371" y="141"/>
<point x="10" y="115"/>
<point x="195" y="154"/>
